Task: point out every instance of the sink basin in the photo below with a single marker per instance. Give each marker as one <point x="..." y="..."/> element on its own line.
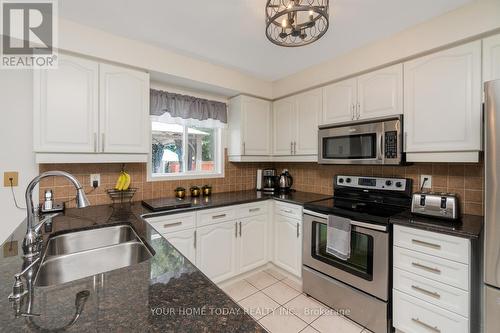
<point x="82" y="254"/>
<point x="89" y="239"/>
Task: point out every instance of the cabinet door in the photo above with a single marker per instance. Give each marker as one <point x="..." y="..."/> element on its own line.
<point x="380" y="93"/>
<point x="442" y="101"/>
<point x="216" y="250"/>
<point x="308" y="109"/>
<point x="284" y="125"/>
<point x="339" y="100"/>
<point x="491" y="58"/>
<point x="252" y="243"/>
<point x="184" y="242"/>
<point x="256" y="125"/>
<point x="65" y="117"/>
<point x="288" y="244"/>
<point x="124" y="109"/>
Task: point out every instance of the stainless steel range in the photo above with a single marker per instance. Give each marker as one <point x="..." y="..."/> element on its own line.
<point x="360" y="286"/>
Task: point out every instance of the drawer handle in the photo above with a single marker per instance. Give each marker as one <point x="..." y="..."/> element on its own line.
<point x="254" y="210"/>
<point x="289" y="211"/>
<point x="218" y="216"/>
<point x="426" y="268"/>
<point x="432" y="328"/>
<point x="426" y="292"/>
<point x="171" y="224"/>
<point x="431" y="245"/>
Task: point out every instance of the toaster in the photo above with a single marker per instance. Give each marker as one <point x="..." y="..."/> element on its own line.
<point x="440" y="205"/>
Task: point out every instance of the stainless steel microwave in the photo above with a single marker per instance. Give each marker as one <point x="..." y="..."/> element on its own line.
<point x="374" y="141"/>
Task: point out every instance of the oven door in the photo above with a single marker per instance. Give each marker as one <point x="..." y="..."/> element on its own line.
<point x="368" y="267"/>
<point x="351" y="144"/>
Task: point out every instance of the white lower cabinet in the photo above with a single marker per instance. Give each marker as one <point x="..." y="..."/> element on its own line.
<point x="184" y="242"/>
<point x="288" y="243"/>
<point x="216" y="250"/>
<point x="252" y="243"/>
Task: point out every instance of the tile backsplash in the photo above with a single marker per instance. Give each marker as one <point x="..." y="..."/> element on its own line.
<point x="462" y="178"/>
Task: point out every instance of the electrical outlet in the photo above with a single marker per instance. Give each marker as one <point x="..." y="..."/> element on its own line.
<point x="8" y="175"/>
<point x="428" y="182"/>
<point x="95" y="177"/>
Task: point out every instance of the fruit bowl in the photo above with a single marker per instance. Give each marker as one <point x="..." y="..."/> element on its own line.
<point x="121" y="195"/>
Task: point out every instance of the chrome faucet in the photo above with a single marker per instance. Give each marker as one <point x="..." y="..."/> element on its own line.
<point x="32" y="242"/>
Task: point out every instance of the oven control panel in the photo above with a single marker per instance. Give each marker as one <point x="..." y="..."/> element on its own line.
<point x="376" y="183"/>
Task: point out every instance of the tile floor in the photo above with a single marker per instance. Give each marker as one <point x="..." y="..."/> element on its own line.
<point x="279" y="305"/>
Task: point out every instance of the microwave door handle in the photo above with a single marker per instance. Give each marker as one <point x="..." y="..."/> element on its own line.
<point x="381" y="147"/>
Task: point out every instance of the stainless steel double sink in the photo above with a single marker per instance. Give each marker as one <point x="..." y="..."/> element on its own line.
<point x="80" y="254"/>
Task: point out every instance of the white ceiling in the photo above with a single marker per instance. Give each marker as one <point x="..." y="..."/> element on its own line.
<point x="231" y="32"/>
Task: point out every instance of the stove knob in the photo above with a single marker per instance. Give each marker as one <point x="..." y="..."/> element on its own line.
<point x="348" y="180"/>
<point x="388" y="182"/>
<point x="341" y="180"/>
<point x="399" y="184"/>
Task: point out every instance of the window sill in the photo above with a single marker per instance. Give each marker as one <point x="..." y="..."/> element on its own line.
<point x="185" y="176"/>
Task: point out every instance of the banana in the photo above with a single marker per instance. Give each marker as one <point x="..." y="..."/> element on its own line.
<point x="119" y="182"/>
<point x="126" y="182"/>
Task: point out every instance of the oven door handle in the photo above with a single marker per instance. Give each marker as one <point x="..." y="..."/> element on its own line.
<point x="355" y="223"/>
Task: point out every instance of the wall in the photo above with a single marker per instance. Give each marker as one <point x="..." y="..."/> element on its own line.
<point x="16" y="150"/>
<point x="467" y="180"/>
<point x="469" y="21"/>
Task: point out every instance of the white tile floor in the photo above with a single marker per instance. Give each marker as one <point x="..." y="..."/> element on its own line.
<point x="279" y="305"/>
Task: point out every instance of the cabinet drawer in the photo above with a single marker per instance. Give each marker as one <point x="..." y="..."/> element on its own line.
<point x="442" y="270"/>
<point x="444" y="246"/>
<point x="171" y="223"/>
<point x="252" y="209"/>
<point x="216" y="215"/>
<point x="412" y="315"/>
<point x="288" y="210"/>
<point x="447" y="297"/>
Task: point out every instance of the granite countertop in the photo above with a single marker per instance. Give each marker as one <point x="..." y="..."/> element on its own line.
<point x="469" y="226"/>
<point x="165" y="293"/>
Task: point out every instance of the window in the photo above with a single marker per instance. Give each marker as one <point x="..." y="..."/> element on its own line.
<point x="185" y="150"/>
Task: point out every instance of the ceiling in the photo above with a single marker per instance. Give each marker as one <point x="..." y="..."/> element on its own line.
<point x="231" y="32"/>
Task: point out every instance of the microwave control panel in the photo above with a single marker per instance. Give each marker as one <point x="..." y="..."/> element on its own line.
<point x="391" y="144"/>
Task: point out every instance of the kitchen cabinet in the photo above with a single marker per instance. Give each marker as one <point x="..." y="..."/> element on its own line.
<point x="185" y="242"/>
<point x="288" y="238"/>
<point x="252" y="243"/>
<point x="90" y="112"/>
<point x="124" y="110"/>
<point x="442" y="105"/>
<point x="66" y="113"/>
<point x="250" y="123"/>
<point x="296" y="122"/>
<point x="491" y="58"/>
<point x="375" y="94"/>
<point x="216" y="250"/>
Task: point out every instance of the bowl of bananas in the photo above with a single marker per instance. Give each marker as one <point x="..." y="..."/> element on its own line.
<point x="122" y="191"/>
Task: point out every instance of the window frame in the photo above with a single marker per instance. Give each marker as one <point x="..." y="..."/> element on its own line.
<point x="186" y="175"/>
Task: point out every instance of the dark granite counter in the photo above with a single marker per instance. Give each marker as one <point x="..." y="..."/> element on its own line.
<point x="163" y="294"/>
<point x="469" y="226"/>
<point x="227" y="199"/>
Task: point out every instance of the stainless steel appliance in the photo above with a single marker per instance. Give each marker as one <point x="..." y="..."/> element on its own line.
<point x="492" y="208"/>
<point x="375" y="141"/>
<point x="359" y="286"/>
<point x="440" y="205"/>
<point x="285" y="181"/>
<point x="269" y="180"/>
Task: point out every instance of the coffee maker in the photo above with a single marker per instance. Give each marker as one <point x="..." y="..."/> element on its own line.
<point x="269" y="180"/>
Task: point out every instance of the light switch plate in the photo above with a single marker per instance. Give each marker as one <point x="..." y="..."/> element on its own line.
<point x="428" y="182"/>
<point x="10" y="174"/>
<point x="95" y="177"/>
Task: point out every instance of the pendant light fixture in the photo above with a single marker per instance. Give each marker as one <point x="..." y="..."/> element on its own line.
<point x="293" y="23"/>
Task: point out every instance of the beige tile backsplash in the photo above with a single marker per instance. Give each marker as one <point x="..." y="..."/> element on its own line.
<point x="464" y="179"/>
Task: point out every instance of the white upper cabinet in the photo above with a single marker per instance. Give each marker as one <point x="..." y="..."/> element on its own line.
<point x="284" y="126"/>
<point x="124" y="110"/>
<point x="491" y="58"/>
<point x="66" y="107"/>
<point x="250" y="122"/>
<point x="339" y="100"/>
<point x="380" y="93"/>
<point x="442" y="101"/>
<point x="252" y="243"/>
<point x="308" y="110"/>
